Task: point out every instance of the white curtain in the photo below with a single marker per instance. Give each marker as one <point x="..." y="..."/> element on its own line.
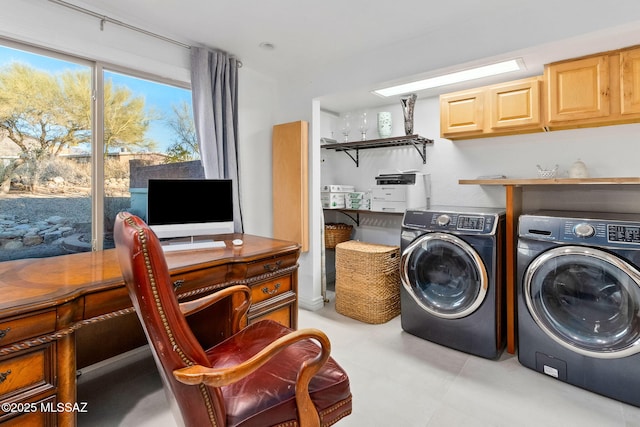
<point x="214" y="88"/>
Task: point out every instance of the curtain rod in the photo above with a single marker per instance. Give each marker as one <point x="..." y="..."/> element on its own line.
<point x="104" y="18"/>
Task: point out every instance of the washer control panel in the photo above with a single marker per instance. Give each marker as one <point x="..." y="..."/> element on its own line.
<point x="452" y="222"/>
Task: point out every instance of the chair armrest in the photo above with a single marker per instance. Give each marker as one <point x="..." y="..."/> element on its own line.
<point x="219" y="377"/>
<point x="239" y="311"/>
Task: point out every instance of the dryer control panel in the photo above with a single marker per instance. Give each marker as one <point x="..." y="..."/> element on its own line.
<point x="596" y="229"/>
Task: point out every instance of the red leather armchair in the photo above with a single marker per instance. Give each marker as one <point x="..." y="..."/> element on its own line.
<point x="263" y="375"/>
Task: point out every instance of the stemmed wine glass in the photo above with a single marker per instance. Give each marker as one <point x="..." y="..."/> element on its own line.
<point x="364" y="125"/>
<point x="345" y="129"/>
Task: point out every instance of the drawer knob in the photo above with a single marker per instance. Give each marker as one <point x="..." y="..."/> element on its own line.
<point x="266" y="290"/>
<point x="177" y="284"/>
<point x="4" y="375"/>
<point x="273" y="267"/>
<point x="3" y="332"/>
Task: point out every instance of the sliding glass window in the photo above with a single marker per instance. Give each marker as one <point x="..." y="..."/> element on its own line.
<point x="148" y="132"/>
<point x="56" y="195"/>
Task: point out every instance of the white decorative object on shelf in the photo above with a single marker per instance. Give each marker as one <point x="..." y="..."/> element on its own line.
<point x="578" y="170"/>
<point x="364" y="126"/>
<point x="384" y="124"/>
<point x="345" y="127"/>
<point x="547" y="173"/>
<point x="408" y="104"/>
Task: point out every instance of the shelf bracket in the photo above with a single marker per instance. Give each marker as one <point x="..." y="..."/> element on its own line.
<point x="356" y="219"/>
<point x="422" y="153"/>
<point x="355" y="159"/>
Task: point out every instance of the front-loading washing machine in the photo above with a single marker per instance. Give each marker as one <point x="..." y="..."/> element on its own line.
<point x="579" y="300"/>
<point x="452" y="274"/>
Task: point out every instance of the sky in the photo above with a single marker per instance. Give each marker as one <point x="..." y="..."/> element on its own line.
<point x="157" y="95"/>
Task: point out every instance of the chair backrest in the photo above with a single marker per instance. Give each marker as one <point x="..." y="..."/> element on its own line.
<point x="174" y="346"/>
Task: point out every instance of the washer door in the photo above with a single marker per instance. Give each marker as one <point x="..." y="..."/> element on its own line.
<point x="585" y="299"/>
<point x="444" y="275"/>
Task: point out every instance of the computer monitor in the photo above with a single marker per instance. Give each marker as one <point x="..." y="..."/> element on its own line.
<point x="190" y="207"/>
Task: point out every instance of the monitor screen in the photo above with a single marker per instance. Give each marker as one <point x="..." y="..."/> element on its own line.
<point x="190" y="207"/>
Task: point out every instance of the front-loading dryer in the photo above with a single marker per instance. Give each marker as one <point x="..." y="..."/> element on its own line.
<point x="579" y="300"/>
<point x="452" y="274"/>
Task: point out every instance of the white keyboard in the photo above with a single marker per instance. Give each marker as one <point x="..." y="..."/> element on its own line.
<point x="187" y="246"/>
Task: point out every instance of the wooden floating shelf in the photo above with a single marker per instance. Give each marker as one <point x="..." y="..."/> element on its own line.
<point x="552" y="181"/>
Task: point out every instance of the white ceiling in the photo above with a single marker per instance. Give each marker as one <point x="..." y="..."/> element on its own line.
<point x="354" y="46"/>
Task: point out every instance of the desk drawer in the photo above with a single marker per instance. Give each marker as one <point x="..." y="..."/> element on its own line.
<point x="191" y="281"/>
<point x="281" y="315"/>
<point x="270" y="289"/>
<point x="18" y="329"/>
<point x="106" y="302"/>
<point x="271" y="265"/>
<point x="27" y="372"/>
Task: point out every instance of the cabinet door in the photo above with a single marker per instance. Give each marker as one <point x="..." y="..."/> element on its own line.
<point x="515" y="104"/>
<point x="630" y="81"/>
<point x="290" y="183"/>
<point x="462" y="113"/>
<point x="578" y="89"/>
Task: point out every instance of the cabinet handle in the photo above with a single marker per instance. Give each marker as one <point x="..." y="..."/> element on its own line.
<point x="266" y="290"/>
<point x="272" y="267"/>
<point x="177" y="284"/>
<point x="4" y="375"/>
<point x="3" y="332"/>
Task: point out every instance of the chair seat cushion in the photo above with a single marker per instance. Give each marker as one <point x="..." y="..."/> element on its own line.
<point x="267" y="397"/>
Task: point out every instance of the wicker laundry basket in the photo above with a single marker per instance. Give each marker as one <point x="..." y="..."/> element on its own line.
<point x="335" y="233"/>
<point x="368" y="281"/>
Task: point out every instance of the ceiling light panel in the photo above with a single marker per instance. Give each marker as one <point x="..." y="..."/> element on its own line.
<point x="456" y="77"/>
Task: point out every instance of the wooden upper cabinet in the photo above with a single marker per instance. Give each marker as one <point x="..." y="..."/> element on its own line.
<point x="597" y="90"/>
<point x="578" y="89"/>
<point x="500" y="109"/>
<point x="630" y="81"/>
<point x="462" y="113"/>
<point x="515" y="104"/>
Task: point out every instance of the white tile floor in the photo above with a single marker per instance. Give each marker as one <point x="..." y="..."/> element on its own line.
<point x="396" y="380"/>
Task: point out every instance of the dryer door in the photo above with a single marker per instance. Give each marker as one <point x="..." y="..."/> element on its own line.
<point x="444" y="275"/>
<point x="585" y="299"/>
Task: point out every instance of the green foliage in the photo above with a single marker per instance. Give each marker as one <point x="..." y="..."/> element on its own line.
<point x="185" y="143"/>
<point x="45" y="114"/>
<point x="125" y="120"/>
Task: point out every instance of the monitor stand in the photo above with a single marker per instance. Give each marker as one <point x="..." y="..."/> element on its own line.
<point x="191" y="243"/>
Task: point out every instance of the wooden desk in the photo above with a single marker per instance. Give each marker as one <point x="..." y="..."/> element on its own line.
<point x="61" y="313"/>
<point x="513" y="206"/>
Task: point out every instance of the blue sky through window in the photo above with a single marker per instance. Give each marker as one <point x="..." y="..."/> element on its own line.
<point x="161" y="97"/>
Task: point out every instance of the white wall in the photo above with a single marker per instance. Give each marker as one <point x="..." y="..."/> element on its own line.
<point x="257" y="95"/>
